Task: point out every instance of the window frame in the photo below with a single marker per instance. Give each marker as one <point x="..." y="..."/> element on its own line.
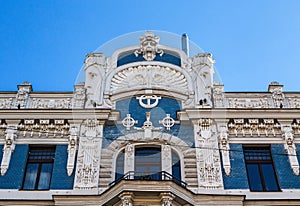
<point x="259" y="164"/>
<point x="40" y="162"/>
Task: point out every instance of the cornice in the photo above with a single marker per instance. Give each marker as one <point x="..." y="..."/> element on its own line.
<point x="193" y="114"/>
<point x="76" y="114"/>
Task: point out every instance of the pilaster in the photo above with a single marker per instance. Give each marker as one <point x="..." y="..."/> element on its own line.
<point x="129" y="158"/>
<point x="89" y="154"/>
<point x="166" y="158"/>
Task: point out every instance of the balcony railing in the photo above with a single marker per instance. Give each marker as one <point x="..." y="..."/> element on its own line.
<point x="159" y="176"/>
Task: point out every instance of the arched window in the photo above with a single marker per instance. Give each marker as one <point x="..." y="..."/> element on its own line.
<point x="166" y="57"/>
<point x="148" y="165"/>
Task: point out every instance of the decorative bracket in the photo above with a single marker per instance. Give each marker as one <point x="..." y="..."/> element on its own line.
<point x="166" y="198"/>
<point x="128" y="122"/>
<point x="9" y="147"/>
<point x="290" y="148"/>
<point x="72" y="147"/>
<point x="168" y="122"/>
<point x="126" y="199"/>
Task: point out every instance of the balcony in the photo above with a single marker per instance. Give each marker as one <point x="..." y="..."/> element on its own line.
<point x="159" y="176"/>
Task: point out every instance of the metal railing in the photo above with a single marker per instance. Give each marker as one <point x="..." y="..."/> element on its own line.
<point x="159" y="176"/>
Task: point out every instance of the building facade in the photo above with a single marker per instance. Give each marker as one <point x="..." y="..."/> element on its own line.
<point x="149" y="126"/>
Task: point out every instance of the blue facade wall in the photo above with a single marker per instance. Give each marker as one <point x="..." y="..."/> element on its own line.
<point x="165" y="106"/>
<point x="14" y="176"/>
<point x="238" y="176"/>
<point x="285" y="175"/>
<point x="60" y="178"/>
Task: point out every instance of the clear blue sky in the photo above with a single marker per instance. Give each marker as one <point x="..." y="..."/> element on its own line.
<point x="253" y="42"/>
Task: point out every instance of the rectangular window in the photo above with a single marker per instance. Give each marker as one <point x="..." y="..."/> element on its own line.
<point x="260" y="169"/>
<point x="39" y="168"/>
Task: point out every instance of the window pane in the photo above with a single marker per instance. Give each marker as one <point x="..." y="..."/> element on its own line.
<point x="254" y="177"/>
<point x="120" y="166"/>
<point x="269" y="177"/>
<point x="176" y="166"/>
<point x="31" y="175"/>
<point x="45" y="176"/>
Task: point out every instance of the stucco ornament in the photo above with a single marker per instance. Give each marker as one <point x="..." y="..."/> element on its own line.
<point x="9" y="147"/>
<point x="149" y="46"/>
<point x="126" y="199"/>
<point x="168" y="122"/>
<point x="22" y="96"/>
<point x="166" y="199"/>
<point x="278" y="97"/>
<point x="79" y="96"/>
<point x="207" y="155"/>
<point x="224" y="146"/>
<point x="72" y="147"/>
<point x="151" y="101"/>
<point x="88" y="160"/>
<point x="290" y="147"/>
<point x="128" y="122"/>
<point x="166" y="158"/>
<point x="148" y="127"/>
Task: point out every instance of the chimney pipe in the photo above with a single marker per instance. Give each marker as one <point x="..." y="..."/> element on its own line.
<point x="185" y="43"/>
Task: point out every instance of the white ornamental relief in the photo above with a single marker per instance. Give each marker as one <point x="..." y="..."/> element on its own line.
<point x="79" y="96"/>
<point x="218" y="96"/>
<point x="278" y="97"/>
<point x="129" y="158"/>
<point x="72" y="148"/>
<point x="38" y="103"/>
<point x="148" y="101"/>
<point x="290" y="148"/>
<point x="9" y="147"/>
<point x="6" y="103"/>
<point x="166" y="158"/>
<point x="168" y="122"/>
<point x="148" y="127"/>
<point x="128" y="122"/>
<point x="89" y="153"/>
<point x="208" y="157"/>
<point x="43" y="128"/>
<point x="293" y="102"/>
<point x="254" y="127"/>
<point x="248" y="103"/>
<point x="149" y="76"/>
<point x="224" y="147"/>
<point x="149" y="46"/>
<point x="3" y="127"/>
<point x="22" y="96"/>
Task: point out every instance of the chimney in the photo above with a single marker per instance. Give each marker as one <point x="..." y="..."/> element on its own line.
<point x="185" y="43"/>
